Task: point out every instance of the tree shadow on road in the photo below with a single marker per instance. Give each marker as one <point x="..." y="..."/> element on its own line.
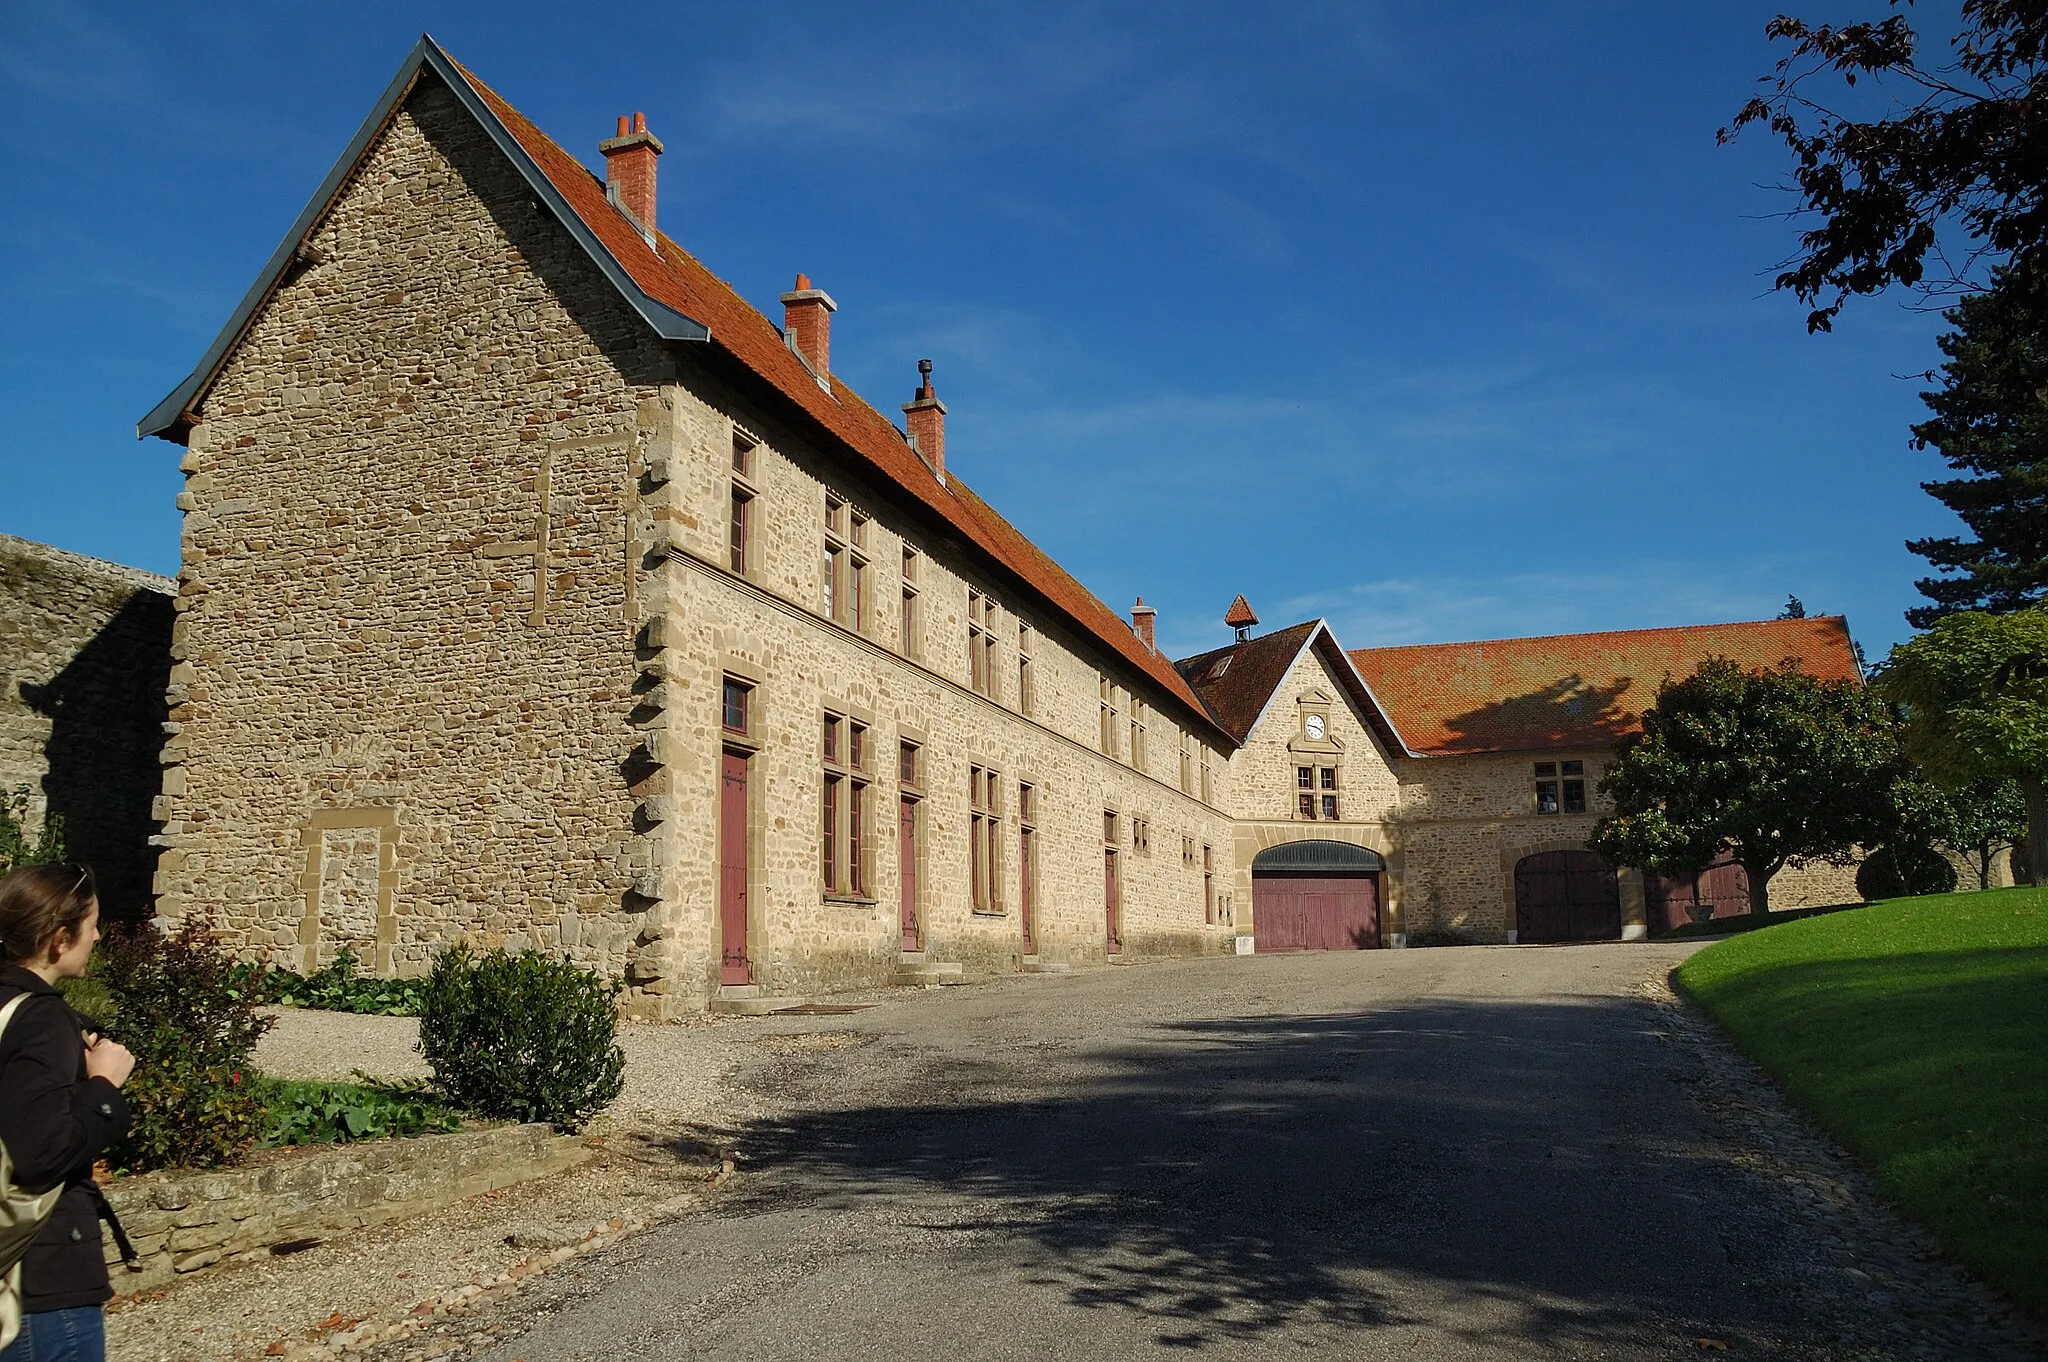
<point x="1531" y="1173"/>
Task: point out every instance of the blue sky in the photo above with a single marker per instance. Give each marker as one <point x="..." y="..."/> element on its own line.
<point x="1444" y="321"/>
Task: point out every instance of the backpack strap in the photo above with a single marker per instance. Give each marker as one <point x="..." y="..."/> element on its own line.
<point x="12" y="1006"/>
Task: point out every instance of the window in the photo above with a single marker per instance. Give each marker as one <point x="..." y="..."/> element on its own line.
<point x="739" y="528"/>
<point x="1550" y="784"/>
<point x="1307" y="781"/>
<point x="1141" y="836"/>
<point x="912" y="640"/>
<point x="1305" y="777"/>
<point x="1137" y="733"/>
<point x="1107" y="695"/>
<point x="845" y="566"/>
<point x="1187" y="852"/>
<point x="1026" y="696"/>
<point x="739" y="698"/>
<point x="1330" y="807"/>
<point x="1209" y="913"/>
<point x="1187" y="762"/>
<point x="843" y="807"/>
<point x="909" y="769"/>
<point x="1109" y="826"/>
<point x="981" y="644"/>
<point x="1208" y="783"/>
<point x="984" y="830"/>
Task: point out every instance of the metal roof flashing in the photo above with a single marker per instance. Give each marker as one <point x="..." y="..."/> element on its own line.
<point x="172" y="418"/>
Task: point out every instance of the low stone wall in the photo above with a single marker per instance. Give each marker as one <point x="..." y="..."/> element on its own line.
<point x="182" y="1222"/>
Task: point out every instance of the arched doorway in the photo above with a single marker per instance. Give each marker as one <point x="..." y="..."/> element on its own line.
<point x="1566" y="896"/>
<point x="1316" y="896"/>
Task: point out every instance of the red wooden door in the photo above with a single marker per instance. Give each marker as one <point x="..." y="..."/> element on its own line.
<point x="1301" y="913"/>
<point x="1723" y="892"/>
<point x="1025" y="877"/>
<point x="734" y="967"/>
<point x="1566" y="896"/>
<point x="906" y="864"/>
<point x="1109" y="903"/>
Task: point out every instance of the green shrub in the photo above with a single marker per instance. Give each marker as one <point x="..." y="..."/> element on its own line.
<point x="17" y="848"/>
<point x="1896" y="872"/>
<point x="528" y="1037"/>
<point x="305" y="1112"/>
<point x="186" y="1010"/>
<point x="340" y="987"/>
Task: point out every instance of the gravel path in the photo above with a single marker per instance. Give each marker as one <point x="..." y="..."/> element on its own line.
<point x="1479" y="1153"/>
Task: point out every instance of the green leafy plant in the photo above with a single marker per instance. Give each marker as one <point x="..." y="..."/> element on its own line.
<point x="184" y="1007"/>
<point x="529" y="1037"/>
<point x="17" y="848"/>
<point x="307" y="1112"/>
<point x="341" y="987"/>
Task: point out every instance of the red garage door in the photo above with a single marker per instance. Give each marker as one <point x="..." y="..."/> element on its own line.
<point x="1723" y="892"/>
<point x="1566" y="896"/>
<point x="1315" y="896"/>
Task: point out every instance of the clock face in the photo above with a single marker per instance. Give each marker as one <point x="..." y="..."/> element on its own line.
<point x="1315" y="727"/>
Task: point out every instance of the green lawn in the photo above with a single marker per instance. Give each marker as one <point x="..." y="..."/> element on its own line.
<point x="1916" y="1032"/>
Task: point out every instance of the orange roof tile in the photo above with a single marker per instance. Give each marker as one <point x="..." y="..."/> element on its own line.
<point x="1574" y="690"/>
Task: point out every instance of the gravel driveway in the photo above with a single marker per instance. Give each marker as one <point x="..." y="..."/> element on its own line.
<point x="1473" y="1153"/>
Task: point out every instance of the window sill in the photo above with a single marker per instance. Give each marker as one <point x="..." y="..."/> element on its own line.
<point x="991" y="912"/>
<point x="857" y="900"/>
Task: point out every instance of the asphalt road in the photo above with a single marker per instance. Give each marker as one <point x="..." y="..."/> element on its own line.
<point x="1471" y="1153"/>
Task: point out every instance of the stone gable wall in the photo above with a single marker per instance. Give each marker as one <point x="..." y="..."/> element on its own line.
<point x="372" y="728"/>
<point x="84" y="653"/>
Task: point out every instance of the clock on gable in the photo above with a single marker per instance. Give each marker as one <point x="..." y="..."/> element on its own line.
<point x="1314" y="727"/>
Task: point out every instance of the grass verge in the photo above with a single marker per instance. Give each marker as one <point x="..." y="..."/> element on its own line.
<point x="1915" y="1031"/>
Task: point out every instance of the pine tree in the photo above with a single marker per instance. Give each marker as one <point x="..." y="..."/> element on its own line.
<point x="1991" y="423"/>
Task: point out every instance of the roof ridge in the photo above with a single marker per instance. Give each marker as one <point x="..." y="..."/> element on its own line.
<point x="1598" y="633"/>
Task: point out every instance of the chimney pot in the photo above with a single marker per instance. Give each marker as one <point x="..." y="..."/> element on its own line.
<point x="924" y="416"/>
<point x="1143" y="620"/>
<point x="629" y="169"/>
<point x="807" y="326"/>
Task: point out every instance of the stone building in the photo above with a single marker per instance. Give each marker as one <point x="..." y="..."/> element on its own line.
<point x="1446" y="790"/>
<point x="84" y="652"/>
<point x="537" y="590"/>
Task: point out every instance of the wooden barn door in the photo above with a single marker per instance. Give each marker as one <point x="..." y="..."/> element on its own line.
<point x="1566" y="896"/>
<point x="734" y="966"/>
<point x="1335" y="913"/>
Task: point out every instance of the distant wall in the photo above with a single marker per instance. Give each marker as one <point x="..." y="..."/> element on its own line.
<point x="85" y="655"/>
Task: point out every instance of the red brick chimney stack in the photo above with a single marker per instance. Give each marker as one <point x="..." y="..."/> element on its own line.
<point x="629" y="168"/>
<point x="925" y="418"/>
<point x="807" y="325"/>
<point x="1143" y="617"/>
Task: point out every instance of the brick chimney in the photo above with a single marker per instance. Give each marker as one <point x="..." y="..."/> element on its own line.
<point x="924" y="416"/>
<point x="807" y="325"/>
<point x="1143" y="618"/>
<point x="629" y="169"/>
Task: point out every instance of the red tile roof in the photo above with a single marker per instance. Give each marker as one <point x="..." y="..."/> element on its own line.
<point x="1235" y="682"/>
<point x="1240" y="613"/>
<point x="1573" y="690"/>
<point x="674" y="277"/>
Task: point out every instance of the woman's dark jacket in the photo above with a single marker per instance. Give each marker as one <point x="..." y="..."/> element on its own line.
<point x="55" y="1121"/>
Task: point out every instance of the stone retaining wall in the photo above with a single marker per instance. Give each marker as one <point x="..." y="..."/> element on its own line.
<point x="181" y="1222"/>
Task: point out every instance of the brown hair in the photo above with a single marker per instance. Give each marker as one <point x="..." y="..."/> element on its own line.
<point x="37" y="902"/>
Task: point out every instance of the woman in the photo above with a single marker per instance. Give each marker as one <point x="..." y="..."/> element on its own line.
<point x="60" y="1107"/>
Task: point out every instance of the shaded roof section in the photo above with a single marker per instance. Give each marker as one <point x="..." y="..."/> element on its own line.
<point x="1574" y="690"/>
<point x="1237" y="682"/>
<point x="683" y="301"/>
